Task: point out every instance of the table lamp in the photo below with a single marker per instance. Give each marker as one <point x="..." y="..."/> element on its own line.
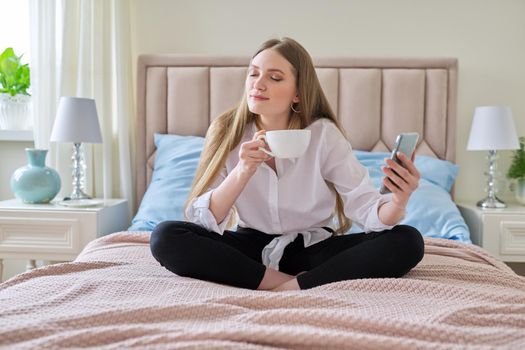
<point x="492" y="130"/>
<point x="77" y="121"/>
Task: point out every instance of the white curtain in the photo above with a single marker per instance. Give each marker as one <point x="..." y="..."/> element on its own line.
<point x="82" y="48"/>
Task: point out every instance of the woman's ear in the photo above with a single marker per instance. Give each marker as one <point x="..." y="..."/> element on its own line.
<point x="295" y="99"/>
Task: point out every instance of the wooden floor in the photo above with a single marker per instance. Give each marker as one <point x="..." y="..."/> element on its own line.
<point x="519" y="268"/>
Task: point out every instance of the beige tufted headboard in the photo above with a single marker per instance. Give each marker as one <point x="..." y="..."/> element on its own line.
<point x="375" y="98"/>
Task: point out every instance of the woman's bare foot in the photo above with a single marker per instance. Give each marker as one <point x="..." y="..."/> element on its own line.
<point x="273" y="278"/>
<point x="289" y="285"/>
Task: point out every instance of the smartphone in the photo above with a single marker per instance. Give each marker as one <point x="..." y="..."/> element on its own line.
<point x="405" y="143"/>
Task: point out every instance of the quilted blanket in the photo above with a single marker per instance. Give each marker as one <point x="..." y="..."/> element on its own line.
<point x="115" y="295"/>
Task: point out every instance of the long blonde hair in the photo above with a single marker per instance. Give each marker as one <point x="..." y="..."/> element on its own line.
<point x="227" y="130"/>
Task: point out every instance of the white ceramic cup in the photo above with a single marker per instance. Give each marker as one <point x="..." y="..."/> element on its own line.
<point x="286" y="143"/>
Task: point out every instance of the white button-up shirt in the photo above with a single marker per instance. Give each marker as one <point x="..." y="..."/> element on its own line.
<point x="295" y="199"/>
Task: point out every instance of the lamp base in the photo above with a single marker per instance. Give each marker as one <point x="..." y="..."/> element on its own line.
<point x="77" y="195"/>
<point x="78" y="174"/>
<point x="491" y="203"/>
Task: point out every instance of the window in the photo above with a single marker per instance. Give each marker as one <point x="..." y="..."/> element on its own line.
<point x="14" y="27"/>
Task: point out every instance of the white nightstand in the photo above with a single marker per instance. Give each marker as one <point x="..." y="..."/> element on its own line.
<point x="500" y="231"/>
<point x="53" y="232"/>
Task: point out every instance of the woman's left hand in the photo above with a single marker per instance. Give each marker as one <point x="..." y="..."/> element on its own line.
<point x="401" y="180"/>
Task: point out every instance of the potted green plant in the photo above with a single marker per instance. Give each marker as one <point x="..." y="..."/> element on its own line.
<point x="517" y="171"/>
<point x="15" y="101"/>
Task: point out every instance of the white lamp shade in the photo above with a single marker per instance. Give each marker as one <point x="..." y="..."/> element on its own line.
<point x="492" y="129"/>
<point x="76" y="121"/>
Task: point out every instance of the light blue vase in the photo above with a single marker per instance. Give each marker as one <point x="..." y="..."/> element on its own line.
<point x="35" y="182"/>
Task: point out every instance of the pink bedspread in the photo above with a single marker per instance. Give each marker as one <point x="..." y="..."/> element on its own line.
<point x="115" y="295"/>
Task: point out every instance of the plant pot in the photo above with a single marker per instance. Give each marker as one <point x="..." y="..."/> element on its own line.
<point x="35" y="182"/>
<point x="15" y="112"/>
<point x="520" y="191"/>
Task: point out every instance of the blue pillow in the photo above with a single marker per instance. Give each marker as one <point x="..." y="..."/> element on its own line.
<point x="177" y="159"/>
<point x="430" y="208"/>
<point x="439" y="172"/>
<point x="175" y="166"/>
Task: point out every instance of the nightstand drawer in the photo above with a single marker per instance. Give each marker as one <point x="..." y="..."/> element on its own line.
<point x="500" y="231"/>
<point x="45" y="232"/>
<point x="52" y="232"/>
<point x="505" y="235"/>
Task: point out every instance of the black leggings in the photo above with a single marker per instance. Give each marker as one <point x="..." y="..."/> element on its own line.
<point x="234" y="258"/>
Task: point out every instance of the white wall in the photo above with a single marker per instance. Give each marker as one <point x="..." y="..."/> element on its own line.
<point x="487" y="37"/>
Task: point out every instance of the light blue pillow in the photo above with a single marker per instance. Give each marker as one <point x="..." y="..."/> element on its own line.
<point x="430" y="208"/>
<point x="175" y="166"/>
<point x="439" y="172"/>
<point x="177" y="159"/>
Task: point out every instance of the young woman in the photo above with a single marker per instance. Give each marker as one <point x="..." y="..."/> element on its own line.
<point x="284" y="208"/>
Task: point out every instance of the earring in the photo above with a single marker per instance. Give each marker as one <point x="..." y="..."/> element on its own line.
<point x="293" y="109"/>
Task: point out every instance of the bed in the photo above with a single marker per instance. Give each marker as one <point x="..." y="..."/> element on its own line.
<point x="115" y="295"/>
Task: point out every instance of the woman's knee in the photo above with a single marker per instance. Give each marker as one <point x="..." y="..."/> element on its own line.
<point x="403" y="249"/>
<point x="163" y="236"/>
<point x="413" y="245"/>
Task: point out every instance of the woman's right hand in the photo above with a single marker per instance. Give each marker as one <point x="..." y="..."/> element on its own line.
<point x="250" y="157"/>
